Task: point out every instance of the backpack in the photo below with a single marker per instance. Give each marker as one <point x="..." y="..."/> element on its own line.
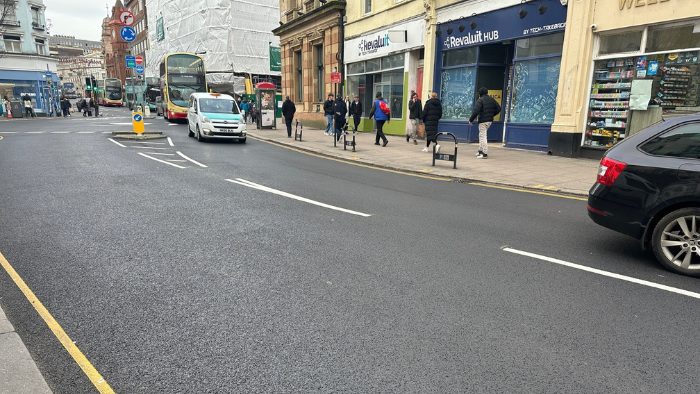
<point x="384" y="107"/>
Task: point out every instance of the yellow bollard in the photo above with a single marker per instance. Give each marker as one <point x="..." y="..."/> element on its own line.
<point x="137" y="118"/>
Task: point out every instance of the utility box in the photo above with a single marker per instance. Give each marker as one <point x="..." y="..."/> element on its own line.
<point x="267" y="105"/>
<point x="16" y="108"/>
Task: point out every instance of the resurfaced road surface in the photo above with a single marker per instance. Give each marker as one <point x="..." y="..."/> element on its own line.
<point x="226" y="267"/>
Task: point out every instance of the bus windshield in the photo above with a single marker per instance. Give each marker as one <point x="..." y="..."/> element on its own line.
<point x="218" y="106"/>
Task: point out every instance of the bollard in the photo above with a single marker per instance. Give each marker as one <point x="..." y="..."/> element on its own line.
<point x="347" y="143"/>
<point x="446" y="157"/>
<point x="298" y="130"/>
<point x="147" y="111"/>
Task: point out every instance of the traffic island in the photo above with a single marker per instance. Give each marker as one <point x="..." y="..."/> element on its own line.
<point x="130" y="135"/>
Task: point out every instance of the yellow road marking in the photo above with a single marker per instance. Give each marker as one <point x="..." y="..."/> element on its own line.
<point x="89" y="370"/>
<point x="528" y="191"/>
<point x="549" y="187"/>
<point x="538" y="185"/>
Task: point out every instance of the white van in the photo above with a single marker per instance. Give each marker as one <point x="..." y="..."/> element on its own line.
<point x="214" y="116"/>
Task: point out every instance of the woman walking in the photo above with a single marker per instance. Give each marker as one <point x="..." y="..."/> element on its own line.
<point x="432" y="112"/>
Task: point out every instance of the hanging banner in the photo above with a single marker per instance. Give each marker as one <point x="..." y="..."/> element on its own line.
<point x="275" y="59"/>
<point x="160" y="30"/>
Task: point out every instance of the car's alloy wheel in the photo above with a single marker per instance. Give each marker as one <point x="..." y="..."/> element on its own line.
<point x="676" y="241"/>
<point x="199" y="135"/>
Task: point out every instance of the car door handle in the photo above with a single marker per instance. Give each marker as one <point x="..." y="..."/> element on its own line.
<point x="689" y="171"/>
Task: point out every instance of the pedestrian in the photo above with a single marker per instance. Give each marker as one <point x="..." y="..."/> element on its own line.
<point x="245" y="107"/>
<point x="341" y="111"/>
<point x="94" y="105"/>
<point x="54" y="105"/>
<point x="253" y="112"/>
<point x="486" y="108"/>
<point x="65" y="106"/>
<point x="288" y="110"/>
<point x="347" y="105"/>
<point x="414" y="115"/>
<point x="432" y="112"/>
<point x="28" y="109"/>
<point x="328" y="106"/>
<point x="6" y="107"/>
<point x="382" y="114"/>
<point x="356" y="111"/>
<point x="88" y="106"/>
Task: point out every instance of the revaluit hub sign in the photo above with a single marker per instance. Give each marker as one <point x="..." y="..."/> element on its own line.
<point x="368" y="46"/>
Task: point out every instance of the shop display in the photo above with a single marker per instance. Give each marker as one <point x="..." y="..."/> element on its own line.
<point x="457" y="87"/>
<point x="535" y="87"/>
<point x="609" y="101"/>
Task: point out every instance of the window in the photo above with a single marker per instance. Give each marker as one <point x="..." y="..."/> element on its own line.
<point x="12" y="43"/>
<point x="10" y="13"/>
<point x="366" y="6"/>
<point x="299" y="80"/>
<point x="623" y="42"/>
<point x="356" y="68"/>
<point x="683" y="141"/>
<point x="457" y="92"/>
<point x="320" y="70"/>
<point x="394" y="61"/>
<point x="549" y="44"/>
<point x="373" y="65"/>
<point x="40" y="46"/>
<point x="681" y="37"/>
<point x="36" y="21"/>
<point x="459" y="57"/>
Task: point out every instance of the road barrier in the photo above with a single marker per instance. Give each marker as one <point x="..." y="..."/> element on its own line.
<point x="298" y="130"/>
<point x="446" y="157"/>
<point x="347" y="143"/>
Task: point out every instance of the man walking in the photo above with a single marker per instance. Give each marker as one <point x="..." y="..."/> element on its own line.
<point x="340" y="111"/>
<point x="382" y="114"/>
<point x="328" y="107"/>
<point x="414" y="112"/>
<point x="288" y="110"/>
<point x="356" y="111"/>
<point x="486" y="108"/>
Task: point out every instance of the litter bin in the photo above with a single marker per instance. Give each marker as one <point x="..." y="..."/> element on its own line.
<point x="267" y="106"/>
<point x="17" y="109"/>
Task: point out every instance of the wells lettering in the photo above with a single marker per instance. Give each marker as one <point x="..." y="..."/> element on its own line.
<point x="638" y="3"/>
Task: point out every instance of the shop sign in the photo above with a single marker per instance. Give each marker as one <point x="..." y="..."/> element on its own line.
<point x="501" y="25"/>
<point x="379" y="43"/>
<point x="638" y="3"/>
<point x="160" y="29"/>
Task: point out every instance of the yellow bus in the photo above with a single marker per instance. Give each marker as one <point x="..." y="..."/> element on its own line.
<point x="113" y="95"/>
<point x="181" y="74"/>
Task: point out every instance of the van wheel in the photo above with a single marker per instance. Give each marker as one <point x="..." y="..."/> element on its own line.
<point x="676" y="241"/>
<point x="199" y="135"/>
<point x="242" y="140"/>
<point x="189" y="130"/>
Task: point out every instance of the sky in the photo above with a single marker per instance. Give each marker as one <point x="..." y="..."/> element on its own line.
<point x="79" y="18"/>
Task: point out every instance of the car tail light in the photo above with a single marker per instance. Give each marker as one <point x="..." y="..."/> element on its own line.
<point x="609" y="170"/>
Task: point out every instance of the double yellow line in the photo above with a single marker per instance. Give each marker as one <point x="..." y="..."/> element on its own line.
<point x="89" y="370"/>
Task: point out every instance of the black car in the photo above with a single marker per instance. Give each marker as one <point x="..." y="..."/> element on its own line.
<point x="648" y="187"/>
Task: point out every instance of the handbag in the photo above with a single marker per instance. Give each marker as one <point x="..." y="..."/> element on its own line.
<point x="421" y="130"/>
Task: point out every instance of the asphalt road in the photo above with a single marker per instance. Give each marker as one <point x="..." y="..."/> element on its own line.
<point x="194" y="280"/>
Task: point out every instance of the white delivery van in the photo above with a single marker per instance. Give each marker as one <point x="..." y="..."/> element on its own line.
<point x="214" y="116"/>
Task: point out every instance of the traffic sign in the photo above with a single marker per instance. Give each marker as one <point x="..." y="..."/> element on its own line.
<point x="139" y="69"/>
<point x="127" y="33"/>
<point x="138" y="60"/>
<point x="126" y="18"/>
<point x="48" y="74"/>
<point x="130" y="62"/>
<point x="335" y="77"/>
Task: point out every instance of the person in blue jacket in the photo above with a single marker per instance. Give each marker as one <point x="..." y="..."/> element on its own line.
<point x="245" y="106"/>
<point x="380" y="117"/>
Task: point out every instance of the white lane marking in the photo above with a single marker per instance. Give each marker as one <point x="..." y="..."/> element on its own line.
<point x="177" y="160"/>
<point x="86" y="132"/>
<point x="34" y="132"/>
<point x="162" y="161"/>
<point x="250" y="184"/>
<point x="605" y="273"/>
<point x="106" y="132"/>
<point x="173" y="124"/>
<point x="8" y="132"/>
<point x="126" y="124"/>
<point x="60" y="132"/>
<point x="161" y="154"/>
<point x="148" y="142"/>
<point x="187" y="158"/>
<point x="123" y="146"/>
<point x="170" y="142"/>
<point x="146" y="147"/>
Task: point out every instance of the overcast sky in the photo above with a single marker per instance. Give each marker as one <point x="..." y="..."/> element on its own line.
<point x="79" y="18"/>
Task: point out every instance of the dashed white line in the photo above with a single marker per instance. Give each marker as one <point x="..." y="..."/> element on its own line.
<point x="161" y="154"/>
<point x="252" y="185"/>
<point x="161" y="161"/>
<point x="148" y="142"/>
<point x="146" y="147"/>
<point x="605" y="273"/>
<point x="195" y="162"/>
<point x="35" y="132"/>
<point x="173" y="124"/>
<point x="170" y="142"/>
<point x="85" y="132"/>
<point x="60" y="132"/>
<point x="8" y="132"/>
<point x="123" y="146"/>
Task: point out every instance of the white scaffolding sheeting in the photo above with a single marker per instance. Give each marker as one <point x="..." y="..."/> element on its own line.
<point x="231" y="35"/>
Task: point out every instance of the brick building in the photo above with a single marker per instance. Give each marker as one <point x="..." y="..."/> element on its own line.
<point x="311" y="36"/>
<point x="115" y="49"/>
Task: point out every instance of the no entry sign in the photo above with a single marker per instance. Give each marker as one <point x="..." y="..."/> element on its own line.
<point x="138" y="59"/>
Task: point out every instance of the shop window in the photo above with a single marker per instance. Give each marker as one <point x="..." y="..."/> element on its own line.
<point x="459" y="57"/>
<point x="356" y="68"/>
<point x="535" y="85"/>
<point x="623" y="42"/>
<point x="320" y="70"/>
<point x="357" y="86"/>
<point x="40" y="46"/>
<point x="681" y="37"/>
<point x="494" y="54"/>
<point x="373" y="65"/>
<point x="683" y="141"/>
<point x="395" y="61"/>
<point x="550" y="44"/>
<point x="12" y="43"/>
<point x="457" y="93"/>
<point x="395" y="97"/>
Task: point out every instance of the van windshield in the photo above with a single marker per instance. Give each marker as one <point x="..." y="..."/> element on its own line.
<point x="218" y="106"/>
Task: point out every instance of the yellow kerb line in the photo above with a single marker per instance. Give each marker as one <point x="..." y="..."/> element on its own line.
<point x="94" y="376"/>
<point x="528" y="191"/>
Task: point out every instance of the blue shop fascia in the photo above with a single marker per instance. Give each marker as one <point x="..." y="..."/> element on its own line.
<point x="39" y="85"/>
<point x="515" y="53"/>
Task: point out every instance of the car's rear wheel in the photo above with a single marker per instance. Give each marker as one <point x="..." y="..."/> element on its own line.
<point x="676" y="241"/>
<point x="189" y="130"/>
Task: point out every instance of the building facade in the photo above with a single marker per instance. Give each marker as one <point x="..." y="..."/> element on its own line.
<point x="25" y="65"/>
<point x="115" y="48"/>
<point x="58" y="42"/>
<point x="310" y="40"/>
<point x="74" y="69"/>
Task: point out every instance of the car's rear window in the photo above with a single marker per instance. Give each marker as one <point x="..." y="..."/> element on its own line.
<point x="682" y="141"/>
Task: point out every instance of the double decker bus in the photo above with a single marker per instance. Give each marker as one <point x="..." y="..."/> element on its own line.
<point x="152" y="91"/>
<point x="181" y="74"/>
<point x="113" y="96"/>
<point x="69" y="90"/>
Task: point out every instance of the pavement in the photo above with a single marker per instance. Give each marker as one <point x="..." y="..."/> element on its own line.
<point x="18" y="371"/>
<point x="505" y="166"/>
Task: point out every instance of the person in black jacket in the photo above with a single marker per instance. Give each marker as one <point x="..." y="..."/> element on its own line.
<point x="340" y="111"/>
<point x="486" y="108"/>
<point x="432" y="112"/>
<point x="356" y="111"/>
<point x="328" y="107"/>
<point x="288" y="110"/>
<point x="414" y="109"/>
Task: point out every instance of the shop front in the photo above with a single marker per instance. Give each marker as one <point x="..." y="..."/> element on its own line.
<point x="639" y="61"/>
<point x="515" y="53"/>
<point x="15" y="85"/>
<point x="387" y="61"/>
